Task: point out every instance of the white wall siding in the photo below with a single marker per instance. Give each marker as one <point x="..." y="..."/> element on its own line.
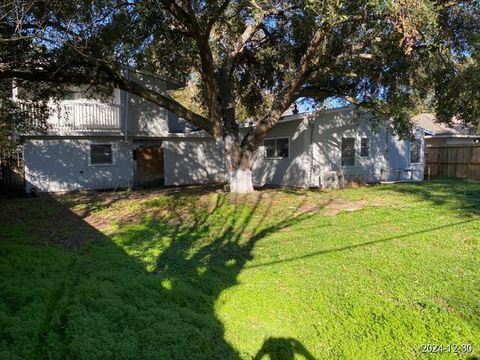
<point x="389" y="156"/>
<point x="193" y="161"/>
<point x="330" y="127"/>
<point x="291" y="171"/>
<point x="64" y="165"/>
<point x="398" y="166"/>
<point x="315" y="144"/>
<point x="144" y="117"/>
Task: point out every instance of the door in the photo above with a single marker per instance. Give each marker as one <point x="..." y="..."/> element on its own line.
<point x="149" y="166"/>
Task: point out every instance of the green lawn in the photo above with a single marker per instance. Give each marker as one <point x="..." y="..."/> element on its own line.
<point x="366" y="273"/>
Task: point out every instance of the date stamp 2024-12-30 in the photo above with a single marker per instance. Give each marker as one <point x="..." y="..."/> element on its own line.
<point x="447" y="348"/>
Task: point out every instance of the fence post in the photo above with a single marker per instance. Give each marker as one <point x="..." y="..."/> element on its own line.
<point x="439" y="170"/>
<point x="470" y="161"/>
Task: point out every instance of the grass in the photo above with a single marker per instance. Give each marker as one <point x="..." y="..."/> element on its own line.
<point x="366" y="273"/>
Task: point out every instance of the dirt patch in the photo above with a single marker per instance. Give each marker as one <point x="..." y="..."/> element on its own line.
<point x="336" y="206"/>
<point x="308" y="208"/>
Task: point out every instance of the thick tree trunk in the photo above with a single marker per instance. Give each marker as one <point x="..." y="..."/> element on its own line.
<point x="241" y="181"/>
<point x="239" y="166"/>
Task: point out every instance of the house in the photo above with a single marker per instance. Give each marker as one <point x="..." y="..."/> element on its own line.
<point x="115" y="142"/>
<point x="438" y="134"/>
<point x="124" y="141"/>
<point x="322" y="149"/>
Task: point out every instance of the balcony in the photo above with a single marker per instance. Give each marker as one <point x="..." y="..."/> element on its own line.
<point x="82" y="116"/>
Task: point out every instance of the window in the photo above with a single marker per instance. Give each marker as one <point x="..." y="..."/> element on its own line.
<point x="348" y="151"/>
<point x="101" y="154"/>
<point x="364" y="147"/>
<point x="415" y="151"/>
<point x="276" y="148"/>
<point x="269" y="145"/>
<point x="282" y="148"/>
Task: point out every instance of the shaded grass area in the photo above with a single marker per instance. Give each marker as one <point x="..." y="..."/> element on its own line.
<point x="367" y="273"/>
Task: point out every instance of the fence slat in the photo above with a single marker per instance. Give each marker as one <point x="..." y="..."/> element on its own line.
<point x="12" y="175"/>
<point x="456" y="161"/>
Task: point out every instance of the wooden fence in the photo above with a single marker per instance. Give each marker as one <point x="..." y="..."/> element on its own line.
<point x="12" y="175"/>
<point x="455" y="161"/>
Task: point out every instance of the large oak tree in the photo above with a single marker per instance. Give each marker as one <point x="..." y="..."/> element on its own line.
<point x="390" y="56"/>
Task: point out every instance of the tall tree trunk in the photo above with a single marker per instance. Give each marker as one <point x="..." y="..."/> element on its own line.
<point x="241" y="181"/>
<point x="239" y="166"/>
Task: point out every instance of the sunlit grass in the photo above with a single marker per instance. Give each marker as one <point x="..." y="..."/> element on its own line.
<point x="367" y="273"/>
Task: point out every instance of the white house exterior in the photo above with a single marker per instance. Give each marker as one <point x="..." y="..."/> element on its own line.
<point x="126" y="141"/>
<point x="305" y="150"/>
<point x="96" y="144"/>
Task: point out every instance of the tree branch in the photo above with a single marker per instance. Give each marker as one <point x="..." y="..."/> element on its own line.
<point x="213" y="20"/>
<point x="112" y="78"/>
<point x="179" y="13"/>
<point x="315" y="92"/>
<point x="289" y="93"/>
<point x="189" y="20"/>
<point x="247" y="35"/>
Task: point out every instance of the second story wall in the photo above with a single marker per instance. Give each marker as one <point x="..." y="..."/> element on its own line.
<point x="82" y="113"/>
<point x="145" y="118"/>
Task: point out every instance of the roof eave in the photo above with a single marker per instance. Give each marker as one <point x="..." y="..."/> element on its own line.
<point x="453" y="136"/>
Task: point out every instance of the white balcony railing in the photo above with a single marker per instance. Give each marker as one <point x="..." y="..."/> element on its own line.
<point x="83" y="116"/>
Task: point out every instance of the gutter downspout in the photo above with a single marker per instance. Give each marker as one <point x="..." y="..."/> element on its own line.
<point x="125" y="131"/>
<point x="311" y="123"/>
<point x="127" y="100"/>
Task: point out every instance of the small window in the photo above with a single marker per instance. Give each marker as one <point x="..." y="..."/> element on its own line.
<point x="364" y="147"/>
<point x="348" y="152"/>
<point x="276" y="148"/>
<point x="415" y="151"/>
<point x="101" y="154"/>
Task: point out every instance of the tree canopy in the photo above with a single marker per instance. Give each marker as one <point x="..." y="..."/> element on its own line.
<point x="260" y="56"/>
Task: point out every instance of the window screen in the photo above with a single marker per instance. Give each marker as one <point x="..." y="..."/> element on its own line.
<point x="100" y="154"/>
<point x="276" y="148"/>
<point x="364" y="148"/>
<point x="348" y="152"/>
<point x="269" y="146"/>
<point x="282" y="148"/>
<point x="415" y="151"/>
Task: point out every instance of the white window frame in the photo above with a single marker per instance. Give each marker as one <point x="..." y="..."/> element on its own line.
<point x="419" y="151"/>
<point x="368" y="148"/>
<point x="275" y="157"/>
<point x="104" y="164"/>
<point x="354" y="151"/>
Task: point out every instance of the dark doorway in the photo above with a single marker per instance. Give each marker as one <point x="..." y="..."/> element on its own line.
<point x="149" y="166"/>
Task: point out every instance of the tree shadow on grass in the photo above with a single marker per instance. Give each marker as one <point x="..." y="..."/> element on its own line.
<point x="147" y="291"/>
<point x="462" y="195"/>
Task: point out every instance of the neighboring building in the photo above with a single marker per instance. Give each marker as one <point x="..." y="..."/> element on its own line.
<point x="126" y="141"/>
<point x="323" y="149"/>
<point x="439" y="134"/>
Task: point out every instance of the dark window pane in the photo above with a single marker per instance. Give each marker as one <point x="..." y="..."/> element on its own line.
<point x="415" y="151"/>
<point x="269" y="145"/>
<point x="69" y="95"/>
<point x="100" y="154"/>
<point x="365" y="148"/>
<point x="348" y="152"/>
<point x="282" y="148"/>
